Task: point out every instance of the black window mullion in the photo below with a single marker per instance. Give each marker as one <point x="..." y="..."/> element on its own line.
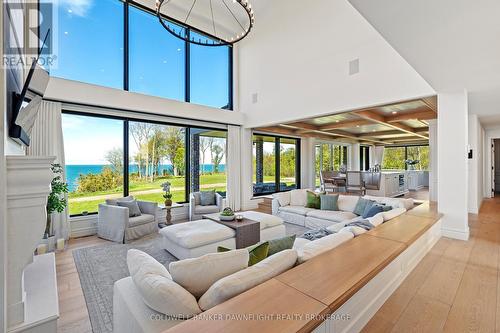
<point x="187" y="170"/>
<point x="277" y="167"/>
<point x="187" y="68"/>
<point x="125" y="158"/>
<point x="126" y="46"/>
<point x="297" y="163"/>
<point x="230" y="78"/>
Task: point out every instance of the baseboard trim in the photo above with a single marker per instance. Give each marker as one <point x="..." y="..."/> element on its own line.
<point x="455" y="234"/>
<point x="361" y="307"/>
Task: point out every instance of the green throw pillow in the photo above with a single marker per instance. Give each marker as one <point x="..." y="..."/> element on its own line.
<point x="280" y="244"/>
<point x="361" y="206"/>
<point x="313" y="200"/>
<point x="329" y="202"/>
<point x="257" y="252"/>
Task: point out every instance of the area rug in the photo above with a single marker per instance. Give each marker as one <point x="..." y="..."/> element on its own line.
<point x="101" y="266"/>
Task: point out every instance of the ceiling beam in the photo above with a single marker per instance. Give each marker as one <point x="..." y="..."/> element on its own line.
<point x="417" y="115"/>
<point x="348" y="135"/>
<point x="344" y="124"/>
<point x="379" y="119"/>
<point x="431" y="102"/>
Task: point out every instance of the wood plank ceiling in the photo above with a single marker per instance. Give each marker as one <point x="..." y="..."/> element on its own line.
<point x="392" y="124"/>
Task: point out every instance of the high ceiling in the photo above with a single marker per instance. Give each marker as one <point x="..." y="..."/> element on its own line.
<point x="399" y="123"/>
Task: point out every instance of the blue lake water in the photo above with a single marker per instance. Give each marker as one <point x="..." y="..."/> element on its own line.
<point x="73" y="171"/>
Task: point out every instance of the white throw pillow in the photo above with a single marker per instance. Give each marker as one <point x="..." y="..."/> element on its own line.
<point x="347" y="203"/>
<point x="377" y="219"/>
<point x="157" y="289"/>
<point x="321" y="245"/>
<point x="248" y="278"/>
<point x="198" y="274"/>
<point x="283" y="198"/>
<point x="355" y="231"/>
<point x="298" y="198"/>
<point x="389" y="215"/>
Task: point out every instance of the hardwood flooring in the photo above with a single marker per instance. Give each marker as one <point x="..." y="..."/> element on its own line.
<point x="455" y="288"/>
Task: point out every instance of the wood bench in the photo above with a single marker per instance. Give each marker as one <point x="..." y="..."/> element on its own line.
<point x="300" y="299"/>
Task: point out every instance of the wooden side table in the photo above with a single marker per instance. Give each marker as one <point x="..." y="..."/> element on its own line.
<point x="247" y="231"/>
<point x="168" y="219"/>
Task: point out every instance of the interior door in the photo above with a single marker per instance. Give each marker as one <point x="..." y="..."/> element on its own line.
<point x="496" y="165"/>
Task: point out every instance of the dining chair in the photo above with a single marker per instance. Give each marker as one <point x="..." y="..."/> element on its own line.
<point x="355" y="182"/>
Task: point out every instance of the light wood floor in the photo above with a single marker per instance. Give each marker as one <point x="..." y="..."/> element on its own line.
<point x="453" y="289"/>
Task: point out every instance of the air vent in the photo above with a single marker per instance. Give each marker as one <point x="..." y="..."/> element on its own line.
<point x="354" y="67"/>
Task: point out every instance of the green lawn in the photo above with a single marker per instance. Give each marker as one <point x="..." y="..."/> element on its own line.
<point x="80" y="202"/>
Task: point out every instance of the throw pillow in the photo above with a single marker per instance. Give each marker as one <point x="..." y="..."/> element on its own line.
<point x="313" y="200"/>
<point x="158" y="291"/>
<point x="133" y="207"/>
<point x="361" y="206"/>
<point x="329" y="202"/>
<point x="196" y="275"/>
<point x="114" y="202"/>
<point x="298" y="198"/>
<point x="372" y="210"/>
<point x="386" y="208"/>
<point x="207" y="198"/>
<point x="256" y="253"/>
<point x="280" y="244"/>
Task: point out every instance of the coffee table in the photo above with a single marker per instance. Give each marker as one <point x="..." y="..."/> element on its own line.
<point x="247" y="231"/>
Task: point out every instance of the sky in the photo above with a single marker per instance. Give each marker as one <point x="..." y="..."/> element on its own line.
<point x="89" y="46"/>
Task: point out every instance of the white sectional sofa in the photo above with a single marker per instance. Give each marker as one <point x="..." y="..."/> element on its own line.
<point x="291" y="207"/>
<point x="194" y="239"/>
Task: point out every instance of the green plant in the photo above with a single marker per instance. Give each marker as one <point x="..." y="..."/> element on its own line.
<point x="56" y="202"/>
<point x="227" y="212"/>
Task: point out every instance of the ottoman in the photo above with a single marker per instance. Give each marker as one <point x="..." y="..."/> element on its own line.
<point x="196" y="238"/>
<point x="271" y="227"/>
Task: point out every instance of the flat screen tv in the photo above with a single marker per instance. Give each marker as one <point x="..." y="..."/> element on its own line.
<point x="26" y="103"/>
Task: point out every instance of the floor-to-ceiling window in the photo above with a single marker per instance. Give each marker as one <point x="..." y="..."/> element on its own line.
<point x="406" y="157"/>
<point x="276" y="162"/>
<point x="121" y="44"/>
<point x="93" y="150"/>
<point x="364" y="158"/>
<point x="330" y="157"/>
<point x="109" y="157"/>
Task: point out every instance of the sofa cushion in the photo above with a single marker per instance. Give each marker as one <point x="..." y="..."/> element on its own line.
<point x="300" y="210"/>
<point x="298" y="198"/>
<point x="281" y="244"/>
<point x="300" y="243"/>
<point x="283" y="198"/>
<point x="330" y="215"/>
<point x="197" y="233"/>
<point x="377" y="219"/>
<point x="393" y="213"/>
<point x="200" y="210"/>
<point x="329" y="202"/>
<point x="248" y="278"/>
<point x="114" y="202"/>
<point x="313" y="200"/>
<point x="140" y="220"/>
<point x="266" y="220"/>
<point x="347" y="203"/>
<point x="394" y="202"/>
<point x="198" y="274"/>
<point x="314" y="248"/>
<point x="157" y="289"/>
<point x="207" y="198"/>
<point x="355" y="231"/>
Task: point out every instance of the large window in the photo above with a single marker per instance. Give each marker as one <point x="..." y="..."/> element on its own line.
<point x="100" y="44"/>
<point x="395" y="158"/>
<point x="91" y="42"/>
<point x="364" y="158"/>
<point x="93" y="150"/>
<point x="157" y="58"/>
<point x="276" y="162"/>
<point x="101" y="164"/>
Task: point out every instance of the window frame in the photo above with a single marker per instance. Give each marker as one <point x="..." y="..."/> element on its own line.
<point x="406" y="152"/>
<point x="126" y="150"/>
<point x="277" y="160"/>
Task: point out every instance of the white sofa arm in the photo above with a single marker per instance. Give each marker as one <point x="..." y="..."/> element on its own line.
<point x="148" y="207"/>
<point x="192" y="206"/>
<point x="219" y="201"/>
<point x="112" y="222"/>
<point x="275" y="206"/>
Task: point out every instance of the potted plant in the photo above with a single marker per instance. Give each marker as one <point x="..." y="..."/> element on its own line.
<point x="56" y="203"/>
<point x="411" y="164"/>
<point x="168" y="194"/>
<point x="227" y="214"/>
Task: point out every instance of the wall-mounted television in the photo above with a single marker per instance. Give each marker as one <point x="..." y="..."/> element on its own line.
<point x="24" y="105"/>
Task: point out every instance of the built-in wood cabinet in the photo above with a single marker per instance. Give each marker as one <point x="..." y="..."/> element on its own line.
<point x="392" y="184"/>
<point x="416" y="179"/>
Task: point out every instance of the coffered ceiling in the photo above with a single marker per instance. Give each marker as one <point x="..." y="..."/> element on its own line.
<point x="398" y="123"/>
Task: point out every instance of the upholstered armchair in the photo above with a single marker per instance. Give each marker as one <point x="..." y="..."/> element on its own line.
<point x="196" y="210"/>
<point x="114" y="223"/>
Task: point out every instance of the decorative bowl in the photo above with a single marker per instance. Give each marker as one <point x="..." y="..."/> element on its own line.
<point x="239" y="218"/>
<point x="226" y="217"/>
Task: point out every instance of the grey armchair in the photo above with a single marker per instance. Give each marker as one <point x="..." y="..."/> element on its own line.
<point x="196" y="210"/>
<point x="114" y="223"/>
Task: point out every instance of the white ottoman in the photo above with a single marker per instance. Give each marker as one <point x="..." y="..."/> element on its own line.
<point x="196" y="238"/>
<point x="271" y="226"/>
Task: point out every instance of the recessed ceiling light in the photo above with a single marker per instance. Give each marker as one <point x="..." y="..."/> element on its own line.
<point x="337" y="121"/>
<point x="394" y="112"/>
<point x="357" y="125"/>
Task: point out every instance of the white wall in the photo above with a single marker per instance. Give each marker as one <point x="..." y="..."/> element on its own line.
<point x="88" y="94"/>
<point x="433" y="160"/>
<point x="452" y="128"/>
<point x="297" y="60"/>
<point x="475" y="195"/>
